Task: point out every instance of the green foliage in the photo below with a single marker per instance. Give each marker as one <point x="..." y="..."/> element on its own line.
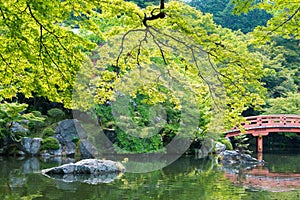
<point x="75" y="140"/>
<point x="56" y="114"/>
<point x="40" y="54"/>
<point x="222" y="14"/>
<point x="281" y="66"/>
<point x="48" y="132"/>
<point x="145" y="3"/>
<point x="104" y="114"/>
<point x="241" y="144"/>
<point x="37" y="126"/>
<point x="193" y="64"/>
<point x="184" y="55"/>
<point x="37" y="113"/>
<point x="284" y="105"/>
<point x="129" y="143"/>
<point x="50" y="143"/>
<point x="227" y="144"/>
<point x="11" y="113"/>
<point x="285" y="20"/>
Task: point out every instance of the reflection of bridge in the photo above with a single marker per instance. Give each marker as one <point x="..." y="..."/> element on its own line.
<point x="261" y="178"/>
<point x="260" y="126"/>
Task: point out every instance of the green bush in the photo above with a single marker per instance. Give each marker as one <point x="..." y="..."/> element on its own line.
<point x="56" y="114"/>
<point x="37" y="113"/>
<point x="132" y="144"/>
<point x="227" y="144"/>
<point x="50" y="143"/>
<point x="48" y="132"/>
<point x="15" y="112"/>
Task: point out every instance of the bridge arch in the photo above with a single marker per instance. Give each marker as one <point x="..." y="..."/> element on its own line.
<point x="262" y="125"/>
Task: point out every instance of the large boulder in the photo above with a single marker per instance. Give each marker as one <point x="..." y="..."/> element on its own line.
<point x="91" y="171"/>
<point x="87" y="149"/>
<point x="87" y="166"/>
<point x="219" y="147"/>
<point x="206" y="147"/>
<point x="235" y="159"/>
<point x="30" y="146"/>
<point x="68" y="133"/>
<point x="69" y="130"/>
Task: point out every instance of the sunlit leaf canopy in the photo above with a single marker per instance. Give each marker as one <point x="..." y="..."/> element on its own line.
<point x="41" y="55"/>
<point x="285" y="20"/>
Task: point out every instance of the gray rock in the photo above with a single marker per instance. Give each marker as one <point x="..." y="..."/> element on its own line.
<point x="235" y="158"/>
<point x="69" y="131"/>
<point x="52" y="153"/>
<point x="18" y="128"/>
<point x="87" y="166"/>
<point x="30" y="146"/>
<point x="206" y="147"/>
<point x="70" y="149"/>
<point x="219" y="147"/>
<point x="87" y="149"/>
<point x="90" y="171"/>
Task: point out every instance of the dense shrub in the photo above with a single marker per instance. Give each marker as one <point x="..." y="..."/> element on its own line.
<point x="227" y="144"/>
<point x="130" y="143"/>
<point x="50" y="143"/>
<point x="48" y="132"/>
<point x="37" y="113"/>
<point x="56" y="113"/>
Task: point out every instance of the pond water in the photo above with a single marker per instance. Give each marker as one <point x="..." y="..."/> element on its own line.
<point x="186" y="179"/>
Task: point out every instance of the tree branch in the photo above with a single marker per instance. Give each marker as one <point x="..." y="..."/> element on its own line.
<point x="122" y="43"/>
<point x="43" y="27"/>
<point x="153" y="16"/>
<point x="2" y="13"/>
<point x="53" y="61"/>
<point x="286" y="21"/>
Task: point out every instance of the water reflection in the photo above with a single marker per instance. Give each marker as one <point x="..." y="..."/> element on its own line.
<point x="263" y="179"/>
<point x="187" y="179"/>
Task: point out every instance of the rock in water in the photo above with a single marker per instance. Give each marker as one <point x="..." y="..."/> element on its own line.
<point x="68" y="132"/>
<point x="87" y="149"/>
<point x="219" y="147"/>
<point x="30" y="146"/>
<point x="91" y="171"/>
<point x="236" y="159"/>
<point x="87" y="166"/>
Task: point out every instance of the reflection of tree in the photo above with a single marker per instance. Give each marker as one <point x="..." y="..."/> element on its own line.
<point x="186" y="178"/>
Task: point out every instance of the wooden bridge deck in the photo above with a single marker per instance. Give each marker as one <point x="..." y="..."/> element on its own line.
<point x="265" y="124"/>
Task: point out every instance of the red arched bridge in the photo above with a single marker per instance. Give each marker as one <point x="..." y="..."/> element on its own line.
<point x="260" y="126"/>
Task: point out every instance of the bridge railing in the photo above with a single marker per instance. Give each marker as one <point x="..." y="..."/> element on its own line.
<point x="270" y="121"/>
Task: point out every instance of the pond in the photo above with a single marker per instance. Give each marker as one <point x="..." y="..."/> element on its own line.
<point x="186" y="179"/>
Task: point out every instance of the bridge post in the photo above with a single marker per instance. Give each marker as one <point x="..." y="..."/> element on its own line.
<point x="260" y="143"/>
<point x="260" y="156"/>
